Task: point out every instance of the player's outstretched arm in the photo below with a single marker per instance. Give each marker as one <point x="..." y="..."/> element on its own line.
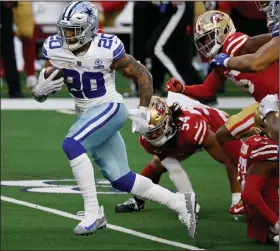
<point x="134" y="70"/>
<point x="202" y="91"/>
<point x="260" y="60"/>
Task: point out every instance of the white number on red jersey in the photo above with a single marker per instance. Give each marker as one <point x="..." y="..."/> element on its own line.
<point x="185" y="126"/>
<point x="246" y="84"/>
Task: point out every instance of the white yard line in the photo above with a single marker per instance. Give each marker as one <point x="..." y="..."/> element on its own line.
<point x="68" y="103"/>
<point x="110" y="226"/>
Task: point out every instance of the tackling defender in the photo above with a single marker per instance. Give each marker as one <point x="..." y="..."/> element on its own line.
<point x="259" y="177"/>
<point x="215" y="31"/>
<point x="264" y="57"/>
<point x="89" y="61"/>
<point x="177" y="134"/>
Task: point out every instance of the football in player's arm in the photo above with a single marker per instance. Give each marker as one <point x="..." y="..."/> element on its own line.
<point x="126" y="65"/>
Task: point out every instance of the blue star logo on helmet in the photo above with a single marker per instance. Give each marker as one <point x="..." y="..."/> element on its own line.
<point x="88" y="11"/>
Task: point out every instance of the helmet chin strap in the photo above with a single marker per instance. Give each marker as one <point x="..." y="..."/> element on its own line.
<point x="74" y="47"/>
<point x="214" y="50"/>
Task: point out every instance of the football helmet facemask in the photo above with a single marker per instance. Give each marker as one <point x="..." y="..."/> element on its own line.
<point x="262" y="5"/>
<point x="212" y="29"/>
<point x="77" y="24"/>
<point x="160" y="121"/>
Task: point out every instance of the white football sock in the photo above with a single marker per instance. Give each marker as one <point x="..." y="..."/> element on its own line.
<point x="84" y="174"/>
<point x="146" y="189"/>
<point x="236" y="197"/>
<point x="177" y="175"/>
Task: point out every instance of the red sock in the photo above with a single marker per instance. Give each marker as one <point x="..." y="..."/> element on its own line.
<point x="251" y="195"/>
<point x="152" y="173"/>
<point x="28" y="49"/>
<point x="232" y="150"/>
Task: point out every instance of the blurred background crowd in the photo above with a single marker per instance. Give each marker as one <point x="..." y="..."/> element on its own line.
<point x="158" y="33"/>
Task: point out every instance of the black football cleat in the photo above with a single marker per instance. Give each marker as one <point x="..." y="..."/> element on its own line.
<point x="131" y="205"/>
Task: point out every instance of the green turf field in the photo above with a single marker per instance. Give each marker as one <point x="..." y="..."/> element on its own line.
<point x="31" y="150"/>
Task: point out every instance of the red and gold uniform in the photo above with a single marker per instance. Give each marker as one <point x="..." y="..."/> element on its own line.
<point x="258" y="149"/>
<point x="192" y="133"/>
<point x="210" y="29"/>
<point x="257" y="84"/>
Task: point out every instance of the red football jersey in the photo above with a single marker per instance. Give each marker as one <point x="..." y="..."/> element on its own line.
<point x="255" y="148"/>
<point x="258" y="84"/>
<point x="193" y="130"/>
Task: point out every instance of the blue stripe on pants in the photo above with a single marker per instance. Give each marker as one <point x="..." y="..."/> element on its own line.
<point x="94" y="119"/>
<point x="101" y="124"/>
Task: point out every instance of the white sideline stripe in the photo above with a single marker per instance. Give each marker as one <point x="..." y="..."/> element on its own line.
<point x="68" y="103"/>
<point x="113" y="227"/>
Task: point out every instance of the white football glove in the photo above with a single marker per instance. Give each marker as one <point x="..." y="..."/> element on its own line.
<point x="140" y="121"/>
<point x="269" y="103"/>
<point x="47" y="86"/>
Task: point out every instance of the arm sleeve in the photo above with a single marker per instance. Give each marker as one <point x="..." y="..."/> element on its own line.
<point x="207" y="89"/>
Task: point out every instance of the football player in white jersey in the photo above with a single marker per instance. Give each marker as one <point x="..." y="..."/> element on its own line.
<point x="89" y="61"/>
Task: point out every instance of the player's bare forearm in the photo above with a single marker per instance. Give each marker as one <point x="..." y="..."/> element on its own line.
<point x="213" y="147"/>
<point x="259" y="61"/>
<point x="253" y="44"/>
<point x="47" y="63"/>
<point x="134" y="70"/>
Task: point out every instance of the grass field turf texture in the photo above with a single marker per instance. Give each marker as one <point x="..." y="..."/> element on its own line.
<point x="31" y="150"/>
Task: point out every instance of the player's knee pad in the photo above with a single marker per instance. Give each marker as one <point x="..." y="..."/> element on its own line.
<point x="125" y="183"/>
<point x="72" y="148"/>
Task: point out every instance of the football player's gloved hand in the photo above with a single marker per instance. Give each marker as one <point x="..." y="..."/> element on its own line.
<point x="47" y="86"/>
<point x="269" y="103"/>
<point x="220" y="60"/>
<point x="174" y="85"/>
<point x="140" y="121"/>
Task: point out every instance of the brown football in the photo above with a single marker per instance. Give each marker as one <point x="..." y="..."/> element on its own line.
<point x="50" y="70"/>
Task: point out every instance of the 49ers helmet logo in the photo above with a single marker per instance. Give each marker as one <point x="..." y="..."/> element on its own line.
<point x="160" y="107"/>
<point x="217" y="17"/>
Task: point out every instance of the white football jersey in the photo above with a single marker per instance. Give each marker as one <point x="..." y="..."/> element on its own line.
<point x="88" y="76"/>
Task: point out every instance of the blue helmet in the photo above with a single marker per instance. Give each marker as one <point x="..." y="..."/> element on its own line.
<point x="81" y="18"/>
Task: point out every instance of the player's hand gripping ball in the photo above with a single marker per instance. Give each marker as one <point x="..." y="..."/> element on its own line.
<point x="50" y="70"/>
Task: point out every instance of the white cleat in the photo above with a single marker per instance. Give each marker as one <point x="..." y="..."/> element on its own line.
<point x="189" y="216"/>
<point x="91" y="223"/>
<point x="31" y="81"/>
